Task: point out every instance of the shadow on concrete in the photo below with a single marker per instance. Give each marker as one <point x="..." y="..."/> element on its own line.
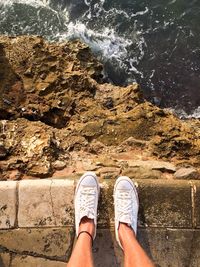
<point x="144" y="240"/>
<point x="106" y="251"/>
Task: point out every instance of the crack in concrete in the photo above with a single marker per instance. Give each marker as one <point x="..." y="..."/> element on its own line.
<point x="193" y="197"/>
<point x="17" y="205"/>
<point x="33" y="254"/>
<point x="52" y="206"/>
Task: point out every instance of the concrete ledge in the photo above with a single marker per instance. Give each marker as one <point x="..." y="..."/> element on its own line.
<point x="44" y="203"/>
<point x="27" y="261"/>
<point x="40" y="231"/>
<point x="165" y="204"/>
<point x="51" y="243"/>
<point x="167" y="247"/>
<point x="8" y="202"/>
<point x="49" y="203"/>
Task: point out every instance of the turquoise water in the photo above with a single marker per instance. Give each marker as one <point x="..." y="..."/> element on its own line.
<point x="156" y="43"/>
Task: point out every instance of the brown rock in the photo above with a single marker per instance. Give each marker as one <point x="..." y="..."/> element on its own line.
<point x="5" y="259"/>
<point x="105" y="161"/>
<point x="3" y="152"/>
<point x="187" y="173"/>
<point x="59" y="165"/>
<point x="153" y="165"/>
<point x="142" y="173"/>
<point x="109" y="172"/>
<point x="53" y="102"/>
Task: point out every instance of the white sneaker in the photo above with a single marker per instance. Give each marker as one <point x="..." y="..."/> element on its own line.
<point x="126" y="204"/>
<point x="86" y="199"/>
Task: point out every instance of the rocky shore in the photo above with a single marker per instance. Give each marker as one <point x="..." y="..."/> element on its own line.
<point x="58" y="118"/>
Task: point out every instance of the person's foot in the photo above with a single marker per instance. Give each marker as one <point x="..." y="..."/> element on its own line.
<point x="126" y="205"/>
<point x="86" y="202"/>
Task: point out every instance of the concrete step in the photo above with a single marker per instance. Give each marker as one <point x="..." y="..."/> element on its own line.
<point x="37" y="223"/>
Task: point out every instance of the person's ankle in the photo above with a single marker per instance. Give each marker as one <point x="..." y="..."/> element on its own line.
<point x="87" y="225"/>
<point x="125" y="231"/>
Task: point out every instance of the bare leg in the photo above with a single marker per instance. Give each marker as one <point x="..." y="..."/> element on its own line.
<point x="82" y="253"/>
<point x="134" y="255"/>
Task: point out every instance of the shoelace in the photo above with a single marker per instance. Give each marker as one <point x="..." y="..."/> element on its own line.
<point x="124" y="203"/>
<point x="87" y="200"/>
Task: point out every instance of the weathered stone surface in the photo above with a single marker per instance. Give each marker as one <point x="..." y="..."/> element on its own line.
<point x="3" y="152"/>
<point x="142" y="173"/>
<point x="171" y="247"/>
<point x="49" y="203"/>
<point x="196" y="192"/>
<point x="59" y="165"/>
<point x="8" y="202"/>
<point x="24" y="261"/>
<point x="106" y="251"/>
<point x="62" y="195"/>
<point x="131" y="141"/>
<point x="109" y="172"/>
<point x="166" y="247"/>
<point x="153" y="165"/>
<point x="54" y="103"/>
<point x="165" y="204"/>
<point x="105" y="161"/>
<point x="35" y="204"/>
<point x="31" y="144"/>
<point x="105" y="207"/>
<point x="187" y="173"/>
<point x="49" y="242"/>
<point x="5" y="259"/>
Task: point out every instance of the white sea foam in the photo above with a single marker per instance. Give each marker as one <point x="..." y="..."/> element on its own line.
<point x="106" y="41"/>
<point x="195" y="114"/>
<point x="27" y="2"/>
<point x="184" y="115"/>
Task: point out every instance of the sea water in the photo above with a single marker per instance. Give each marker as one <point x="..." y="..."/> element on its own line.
<point x="155" y="43"/>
